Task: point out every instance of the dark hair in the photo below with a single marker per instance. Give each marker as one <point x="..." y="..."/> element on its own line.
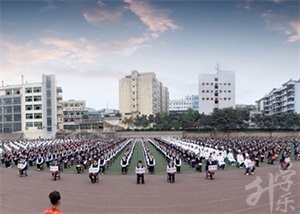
<point x="54" y="197"/>
<point x="140" y="161"/>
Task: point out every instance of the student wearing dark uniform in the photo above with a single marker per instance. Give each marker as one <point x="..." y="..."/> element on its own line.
<point x="40" y="162"/>
<point x="56" y="174"/>
<point x="102" y="163"/>
<point x="209" y="162"/>
<point x="255" y="157"/>
<point x="124" y="164"/>
<point x="198" y="162"/>
<point x="140" y="176"/>
<point x="171" y="176"/>
<point x="79" y="164"/>
<point x="94" y="176"/>
<point x="23" y="170"/>
<point x="49" y="159"/>
<point x="177" y="162"/>
<point x="151" y="163"/>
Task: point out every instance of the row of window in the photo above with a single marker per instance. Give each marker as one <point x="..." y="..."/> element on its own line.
<point x="207" y="98"/>
<point x="33" y="98"/>
<point x="73" y="104"/>
<point x="33" y="107"/>
<point x="34" y="124"/>
<point x="34" y="116"/>
<point x="12" y="91"/>
<point x="216" y="91"/>
<point x="216" y="83"/>
<point x="33" y="90"/>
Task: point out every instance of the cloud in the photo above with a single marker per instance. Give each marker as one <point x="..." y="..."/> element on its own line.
<point x="128" y="46"/>
<point x="295" y="34"/>
<point x="286" y="25"/>
<point x="101" y="13"/>
<point x="155" y="19"/>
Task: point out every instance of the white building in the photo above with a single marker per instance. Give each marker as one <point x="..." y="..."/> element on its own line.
<point x="31" y="108"/>
<point x="142" y="93"/>
<point x="216" y="91"/>
<point x="285" y="99"/>
<point x="189" y="102"/>
<point x="73" y="110"/>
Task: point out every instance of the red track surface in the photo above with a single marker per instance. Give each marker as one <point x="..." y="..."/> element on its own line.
<point x="191" y="193"/>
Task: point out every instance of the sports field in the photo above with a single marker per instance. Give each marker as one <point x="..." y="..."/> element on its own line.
<point x="116" y="193"/>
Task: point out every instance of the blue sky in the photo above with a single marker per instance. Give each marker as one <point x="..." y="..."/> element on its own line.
<point x="90" y="45"/>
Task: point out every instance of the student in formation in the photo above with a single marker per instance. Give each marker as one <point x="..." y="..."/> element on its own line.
<point x="140" y="175"/>
<point x="23" y="166"/>
<point x="56" y="174"/>
<point x="102" y="163"/>
<point x="95" y="175"/>
<point x="209" y="173"/>
<point x="249" y="166"/>
<point x="124" y="164"/>
<point x="151" y="163"/>
<point x="171" y="175"/>
<point x="177" y="162"/>
<point x="40" y="161"/>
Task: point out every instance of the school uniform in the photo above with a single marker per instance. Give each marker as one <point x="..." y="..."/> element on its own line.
<point x="171" y="176"/>
<point x="140" y="176"/>
<point x="151" y="163"/>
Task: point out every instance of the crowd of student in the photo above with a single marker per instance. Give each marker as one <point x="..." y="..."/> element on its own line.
<point x="101" y="153"/>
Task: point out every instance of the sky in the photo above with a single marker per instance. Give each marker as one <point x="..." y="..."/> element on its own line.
<point x="89" y="45"/>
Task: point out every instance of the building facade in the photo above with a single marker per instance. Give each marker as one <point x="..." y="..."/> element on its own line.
<point x="31" y="108"/>
<point x="216" y="91"/>
<point x="73" y="110"/>
<point x="142" y="93"/>
<point x="189" y="102"/>
<point x="285" y="99"/>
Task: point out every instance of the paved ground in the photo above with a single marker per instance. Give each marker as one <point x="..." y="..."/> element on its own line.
<point x="191" y="193"/>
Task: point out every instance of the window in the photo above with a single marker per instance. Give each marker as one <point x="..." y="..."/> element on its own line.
<point x="212" y="91"/>
<point x="37" y="124"/>
<point x="16" y="91"/>
<point x="225" y="91"/>
<point x="216" y="94"/>
<point x="203" y="83"/>
<point x="8" y="92"/>
<point x="28" y="99"/>
<point x="207" y="83"/>
<point x="211" y="98"/>
<point x="207" y="91"/>
<point x="212" y="83"/>
<point x="207" y="98"/>
<point x="37" y="98"/>
<point x="37" y="107"/>
<point x="203" y="91"/>
<point x="133" y="92"/>
<point x="229" y="91"/>
<point x="203" y="98"/>
<point x="29" y="124"/>
<point x="28" y="107"/>
<point x="220" y="98"/>
<point x="49" y="129"/>
<point x="220" y="83"/>
<point x="229" y="98"/>
<point x="229" y="83"/>
<point x="216" y="79"/>
<point x="216" y="101"/>
<point x="28" y="90"/>
<point x="29" y="116"/>
<point x="225" y="98"/>
<point x="220" y="91"/>
<point x="216" y="86"/>
<point x="38" y="116"/>
<point x="37" y="89"/>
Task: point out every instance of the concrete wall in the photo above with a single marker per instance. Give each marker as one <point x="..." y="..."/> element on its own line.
<point x="149" y="134"/>
<point x="243" y="134"/>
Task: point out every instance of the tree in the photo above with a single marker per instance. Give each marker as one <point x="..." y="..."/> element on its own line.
<point x="85" y="117"/>
<point x="127" y="121"/>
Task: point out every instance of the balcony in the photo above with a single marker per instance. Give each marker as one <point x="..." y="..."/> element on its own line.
<point x="59" y="90"/>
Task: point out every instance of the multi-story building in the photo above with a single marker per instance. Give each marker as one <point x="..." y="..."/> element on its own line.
<point x="73" y="111"/>
<point x="285" y="99"/>
<point x="216" y="91"/>
<point x="189" y="102"/>
<point x="142" y="93"/>
<point x="31" y="108"/>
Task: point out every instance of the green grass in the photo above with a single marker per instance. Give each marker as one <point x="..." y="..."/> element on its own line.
<point x="161" y="163"/>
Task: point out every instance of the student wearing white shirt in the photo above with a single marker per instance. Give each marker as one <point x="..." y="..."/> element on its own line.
<point x="221" y="161"/>
<point x="240" y="159"/>
<point x="177" y="162"/>
<point x="249" y="166"/>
